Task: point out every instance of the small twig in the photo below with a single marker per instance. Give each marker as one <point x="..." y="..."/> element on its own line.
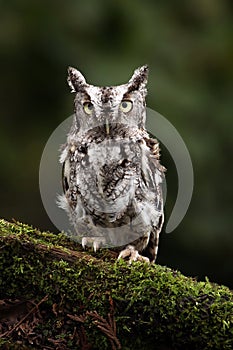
<point x="111" y="318"/>
<point x="81" y="318"/>
<point x="81" y="332"/>
<point x="83" y="339"/>
<point x="6" y="334"/>
<point x="107" y="327"/>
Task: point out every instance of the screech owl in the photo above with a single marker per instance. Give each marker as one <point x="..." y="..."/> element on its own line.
<point x="112" y="177"/>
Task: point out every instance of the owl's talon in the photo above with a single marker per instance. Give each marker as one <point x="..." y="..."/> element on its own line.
<point x="133" y="255"/>
<point x="143" y="259"/>
<point x="96" y="245"/>
<point x="84" y="242"/>
<point x="96" y="242"/>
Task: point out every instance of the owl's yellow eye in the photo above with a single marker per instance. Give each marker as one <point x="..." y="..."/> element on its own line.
<point x="126" y="106"/>
<point x="88" y="107"/>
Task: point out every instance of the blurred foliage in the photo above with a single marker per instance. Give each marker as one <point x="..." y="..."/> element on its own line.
<point x="188" y="46"/>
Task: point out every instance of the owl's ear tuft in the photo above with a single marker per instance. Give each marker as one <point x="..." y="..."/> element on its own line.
<point x="139" y="79"/>
<point x="76" y="80"/>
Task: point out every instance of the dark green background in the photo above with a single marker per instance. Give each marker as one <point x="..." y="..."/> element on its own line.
<point x="188" y="46"/>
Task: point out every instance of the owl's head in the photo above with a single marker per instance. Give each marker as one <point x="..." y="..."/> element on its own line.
<point x="124" y="104"/>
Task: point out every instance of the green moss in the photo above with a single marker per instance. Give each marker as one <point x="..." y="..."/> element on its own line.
<point x="153" y="304"/>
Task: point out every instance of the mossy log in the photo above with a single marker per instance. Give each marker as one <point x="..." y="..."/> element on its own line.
<point x="53" y="295"/>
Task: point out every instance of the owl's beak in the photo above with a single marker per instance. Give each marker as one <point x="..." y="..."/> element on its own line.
<point x="107" y="126"/>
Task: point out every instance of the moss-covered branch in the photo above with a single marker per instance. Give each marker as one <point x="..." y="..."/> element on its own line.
<point x="85" y="301"/>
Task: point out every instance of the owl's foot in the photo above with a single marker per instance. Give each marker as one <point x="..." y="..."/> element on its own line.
<point x="96" y="242"/>
<point x="132" y="254"/>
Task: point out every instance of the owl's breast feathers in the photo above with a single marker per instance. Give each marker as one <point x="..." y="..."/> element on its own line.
<point x="115" y="177"/>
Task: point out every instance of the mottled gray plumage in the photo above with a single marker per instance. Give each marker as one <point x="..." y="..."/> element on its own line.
<point x="112" y="176"/>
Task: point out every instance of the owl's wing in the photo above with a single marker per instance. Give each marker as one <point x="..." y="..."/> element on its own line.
<point x="154" y="149"/>
<point x="157" y="175"/>
<point x="69" y="188"/>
